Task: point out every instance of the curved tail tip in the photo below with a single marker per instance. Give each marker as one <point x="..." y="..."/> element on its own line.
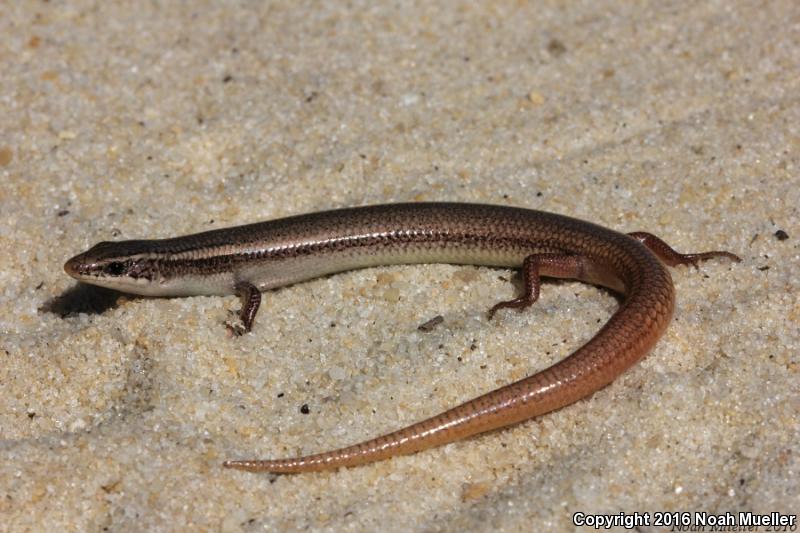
<point x="272" y="467"/>
<point x="248" y="466"/>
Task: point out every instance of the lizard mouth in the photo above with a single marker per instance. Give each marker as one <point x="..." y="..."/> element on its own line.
<point x="79" y="268"/>
<point x="73" y="267"/>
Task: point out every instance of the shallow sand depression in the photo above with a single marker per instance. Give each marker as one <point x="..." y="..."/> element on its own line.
<point x="127" y="120"/>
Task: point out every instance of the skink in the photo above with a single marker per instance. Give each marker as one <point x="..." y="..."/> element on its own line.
<point x="249" y="259"/>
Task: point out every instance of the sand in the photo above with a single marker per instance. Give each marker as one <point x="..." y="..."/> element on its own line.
<point x="139" y="120"/>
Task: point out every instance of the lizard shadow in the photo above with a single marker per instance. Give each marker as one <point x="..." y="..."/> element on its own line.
<point x="83" y="298"/>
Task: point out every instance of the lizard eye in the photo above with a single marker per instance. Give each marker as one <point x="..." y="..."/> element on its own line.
<point x="115" y="268"/>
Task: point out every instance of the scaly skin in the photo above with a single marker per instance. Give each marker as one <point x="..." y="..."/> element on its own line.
<point x="256" y="257"/>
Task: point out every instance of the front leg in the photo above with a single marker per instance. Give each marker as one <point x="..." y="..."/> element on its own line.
<point x="251" y="299"/>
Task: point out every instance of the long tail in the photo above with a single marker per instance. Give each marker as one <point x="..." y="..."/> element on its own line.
<point x="588" y="369"/>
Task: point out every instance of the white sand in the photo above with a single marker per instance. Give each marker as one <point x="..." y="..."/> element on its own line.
<point x="123" y="120"/>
